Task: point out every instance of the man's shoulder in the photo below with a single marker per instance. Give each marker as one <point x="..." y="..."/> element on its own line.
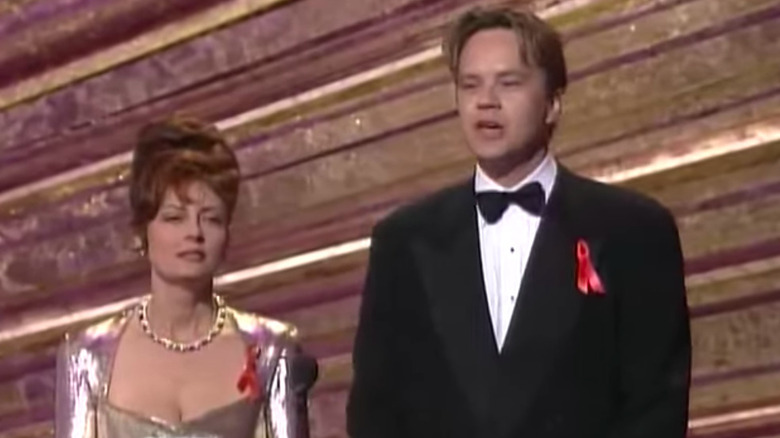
<point x="423" y="214"/>
<point x="618" y="205"/>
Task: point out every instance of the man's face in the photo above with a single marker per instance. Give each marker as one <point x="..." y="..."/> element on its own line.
<point x="505" y="111"/>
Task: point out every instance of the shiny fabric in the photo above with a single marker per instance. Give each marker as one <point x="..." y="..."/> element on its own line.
<point x="83" y="369"/>
<point x="238" y="419"/>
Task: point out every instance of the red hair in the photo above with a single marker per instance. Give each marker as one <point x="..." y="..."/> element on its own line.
<point x="172" y="154"/>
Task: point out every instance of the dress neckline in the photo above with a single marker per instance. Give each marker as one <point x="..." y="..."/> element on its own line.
<point x="176" y="426"/>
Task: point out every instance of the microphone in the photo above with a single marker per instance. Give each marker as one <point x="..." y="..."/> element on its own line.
<point x="304" y="371"/>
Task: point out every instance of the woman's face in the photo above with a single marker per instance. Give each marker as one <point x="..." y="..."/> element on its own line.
<point x="186" y="240"/>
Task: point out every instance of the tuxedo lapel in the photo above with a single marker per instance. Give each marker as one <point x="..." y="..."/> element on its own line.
<point x="547" y="309"/>
<point x="451" y="271"/>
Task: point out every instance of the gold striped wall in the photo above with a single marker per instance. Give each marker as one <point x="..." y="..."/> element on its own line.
<point x="340" y="110"/>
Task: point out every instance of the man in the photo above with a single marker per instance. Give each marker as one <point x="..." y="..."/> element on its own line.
<point x="527" y="301"/>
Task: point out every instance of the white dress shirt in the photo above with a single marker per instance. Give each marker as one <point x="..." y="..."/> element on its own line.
<point x="505" y="246"/>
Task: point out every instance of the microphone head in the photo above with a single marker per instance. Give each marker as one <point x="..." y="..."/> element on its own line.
<point x="305" y="371"/>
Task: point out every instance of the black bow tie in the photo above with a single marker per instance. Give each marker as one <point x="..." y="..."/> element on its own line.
<point x="530" y="198"/>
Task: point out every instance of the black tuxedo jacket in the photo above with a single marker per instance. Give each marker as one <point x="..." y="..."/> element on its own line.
<point x="574" y="365"/>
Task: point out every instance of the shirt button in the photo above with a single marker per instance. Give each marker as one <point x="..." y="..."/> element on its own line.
<point x="512" y="297"/>
<point x="512" y="250"/>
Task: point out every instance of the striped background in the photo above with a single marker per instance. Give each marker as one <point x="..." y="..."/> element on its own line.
<point x="340" y="110"/>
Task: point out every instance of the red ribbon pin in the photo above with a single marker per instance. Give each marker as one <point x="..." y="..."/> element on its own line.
<point x="588" y="281"/>
<point x="247" y="381"/>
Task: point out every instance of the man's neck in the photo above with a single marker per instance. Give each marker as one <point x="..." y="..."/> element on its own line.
<point x="508" y="173"/>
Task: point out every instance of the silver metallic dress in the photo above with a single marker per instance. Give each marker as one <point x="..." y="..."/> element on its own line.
<point x="83" y="370"/>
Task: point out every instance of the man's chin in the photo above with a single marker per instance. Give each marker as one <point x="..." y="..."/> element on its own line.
<point x="507" y="160"/>
<point x="491" y="152"/>
<point x="495" y="157"/>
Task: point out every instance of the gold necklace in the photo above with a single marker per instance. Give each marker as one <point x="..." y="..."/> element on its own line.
<point x="170" y="344"/>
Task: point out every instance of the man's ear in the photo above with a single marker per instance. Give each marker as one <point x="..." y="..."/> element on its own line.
<point x="554" y="108"/>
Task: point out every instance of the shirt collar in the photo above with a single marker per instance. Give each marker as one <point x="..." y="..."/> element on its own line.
<point x="544" y="173"/>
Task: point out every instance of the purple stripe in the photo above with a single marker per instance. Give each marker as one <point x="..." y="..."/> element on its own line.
<point x="295" y="301"/>
<point x="86" y="224"/>
<point x="364" y="209"/>
<point x="276" y="242"/>
<point x="380" y="24"/>
<point x="264" y="243"/>
<point x="38" y="413"/>
<point x="751" y="431"/>
<point x="330" y="388"/>
<point x="740" y="373"/>
<point x="737" y="256"/>
<point x="312" y="49"/>
<point x="436" y="118"/>
<point x="133" y="280"/>
<point x="97" y="148"/>
<point x="307" y="51"/>
<point x="352" y="287"/>
<point x="698" y="265"/>
<point x="678" y="121"/>
<point x="332" y="347"/>
<point x="363" y="104"/>
<point x="131" y="283"/>
<point x="728" y="199"/>
<point x="17" y="181"/>
<point x="682" y="210"/>
<point x="694" y="266"/>
<point x="42" y="10"/>
<point x="735" y="304"/>
<point x="619" y="20"/>
<point x="337" y="39"/>
<point x="13" y="367"/>
<point x="752" y="19"/>
<point x="98" y="292"/>
<point x="14" y="372"/>
<point x="38" y="388"/>
<point x="294" y="50"/>
<point x="82" y="42"/>
<point x="343" y="344"/>
<point x="62" y="227"/>
<point x="740" y="406"/>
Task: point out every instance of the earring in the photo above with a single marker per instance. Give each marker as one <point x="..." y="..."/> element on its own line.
<point x="139" y="246"/>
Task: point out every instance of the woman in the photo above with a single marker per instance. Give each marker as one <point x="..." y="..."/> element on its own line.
<point x="180" y="363"/>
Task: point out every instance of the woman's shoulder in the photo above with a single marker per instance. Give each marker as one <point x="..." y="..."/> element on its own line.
<point x="97" y="333"/>
<point x="263" y="328"/>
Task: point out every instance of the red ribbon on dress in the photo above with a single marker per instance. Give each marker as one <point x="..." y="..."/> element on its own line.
<point x="588" y="281"/>
<point x="247" y="381"/>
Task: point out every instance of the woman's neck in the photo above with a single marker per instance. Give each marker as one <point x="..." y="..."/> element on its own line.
<point x="181" y="312"/>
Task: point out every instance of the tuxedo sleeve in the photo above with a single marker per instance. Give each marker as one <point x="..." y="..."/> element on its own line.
<point x="372" y="408"/>
<point x="654" y="347"/>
